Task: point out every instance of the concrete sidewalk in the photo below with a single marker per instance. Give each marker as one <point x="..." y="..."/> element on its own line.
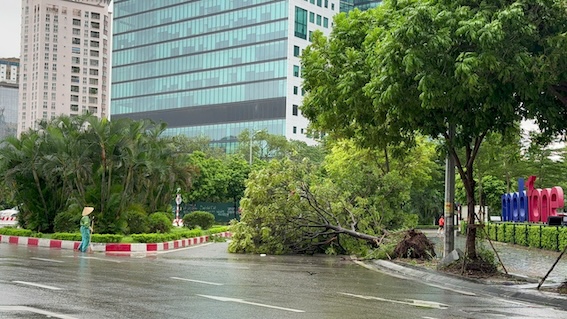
<point x="518" y="260"/>
<point x="528" y="263"/>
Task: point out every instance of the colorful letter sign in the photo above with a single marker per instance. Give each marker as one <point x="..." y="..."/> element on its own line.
<point x="533" y="205"/>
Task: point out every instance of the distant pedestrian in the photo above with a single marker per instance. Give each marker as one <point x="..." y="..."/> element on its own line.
<point x="86" y="229"/>
<point x="441" y="225"/>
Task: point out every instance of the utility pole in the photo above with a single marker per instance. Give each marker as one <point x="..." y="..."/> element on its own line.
<point x="449" y="198"/>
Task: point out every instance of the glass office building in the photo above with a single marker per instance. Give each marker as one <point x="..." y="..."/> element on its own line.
<point x="347" y="5"/>
<point x="214" y="67"/>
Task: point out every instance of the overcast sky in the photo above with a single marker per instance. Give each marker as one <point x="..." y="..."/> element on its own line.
<point x="10" y="11"/>
<point x="10" y="28"/>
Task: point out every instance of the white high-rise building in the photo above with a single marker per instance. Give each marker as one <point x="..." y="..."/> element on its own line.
<point x="9" y="70"/>
<point x="64" y="59"/>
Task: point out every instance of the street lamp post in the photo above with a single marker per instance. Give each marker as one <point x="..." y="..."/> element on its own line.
<point x="178" y="201"/>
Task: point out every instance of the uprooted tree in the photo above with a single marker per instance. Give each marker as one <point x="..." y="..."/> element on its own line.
<point x="347" y="205"/>
<point x="428" y="66"/>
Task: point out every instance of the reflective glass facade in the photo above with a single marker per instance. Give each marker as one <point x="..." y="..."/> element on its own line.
<point x="210" y="67"/>
<point x="347" y="5"/>
<point x="8" y="109"/>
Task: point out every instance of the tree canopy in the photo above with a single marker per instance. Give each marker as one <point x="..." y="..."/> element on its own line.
<point x="426" y="66"/>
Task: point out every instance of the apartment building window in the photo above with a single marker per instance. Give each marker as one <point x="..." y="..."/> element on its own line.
<point x="53" y="86"/>
<point x="53" y="105"/>
<point x="75" y="88"/>
<point x="55" y="57"/>
<point x="300" y="23"/>
<point x="319" y="20"/>
<point x="54" y="67"/>
<point x="54" y="77"/>
<point x="294" y="110"/>
<point x="93" y="91"/>
<point x="55" y="48"/>
<point x="75" y="107"/>
<point x="53" y="96"/>
<point x="295" y="90"/>
<point x="296" y="51"/>
<point x="93" y="81"/>
<point x="94" y="44"/>
<point x="77" y="22"/>
<point x="296" y="70"/>
<point x="94" y="53"/>
<point x="325" y="22"/>
<point x="95" y="25"/>
<point x="76" y="31"/>
<point x="319" y="3"/>
<point x="95" y="15"/>
<point x="93" y="100"/>
<point x="45" y="85"/>
<point x="326" y="3"/>
<point x="95" y="34"/>
<point x="75" y="69"/>
<point x="74" y="98"/>
<point x="93" y="71"/>
<point x="76" y="60"/>
<point x="76" y="41"/>
<point x="94" y="62"/>
<point x="295" y="130"/>
<point x="75" y="79"/>
<point x="311" y="17"/>
<point x="46" y="66"/>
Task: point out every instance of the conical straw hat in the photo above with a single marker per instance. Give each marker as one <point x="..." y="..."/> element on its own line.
<point x="87" y="210"/>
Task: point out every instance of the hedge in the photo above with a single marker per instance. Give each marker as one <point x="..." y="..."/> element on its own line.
<point x="529" y="235"/>
<point x="95" y="238"/>
<point x="9" y="231"/>
<point x="111" y="238"/>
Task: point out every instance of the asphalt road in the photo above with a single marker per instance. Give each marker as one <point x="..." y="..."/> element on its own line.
<point x="206" y="282"/>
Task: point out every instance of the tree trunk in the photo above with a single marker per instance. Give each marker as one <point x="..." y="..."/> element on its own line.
<point x="471" y="227"/>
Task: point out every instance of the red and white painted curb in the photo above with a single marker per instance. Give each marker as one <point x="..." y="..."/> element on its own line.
<point x="109" y="247"/>
<point x="8" y="219"/>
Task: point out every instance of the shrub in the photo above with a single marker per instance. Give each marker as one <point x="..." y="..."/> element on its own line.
<point x="9" y="231"/>
<point x="67" y="221"/>
<point x="159" y="223"/>
<point x="67" y="236"/>
<point x="202" y="219"/>
<point x="137" y="221"/>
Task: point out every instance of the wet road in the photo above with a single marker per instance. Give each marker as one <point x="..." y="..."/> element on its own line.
<point x="206" y="282"/>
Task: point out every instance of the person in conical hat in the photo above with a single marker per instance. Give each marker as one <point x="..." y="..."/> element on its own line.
<point x="86" y="229"/>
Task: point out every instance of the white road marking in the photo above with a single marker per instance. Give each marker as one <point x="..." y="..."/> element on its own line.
<point x="249" y="303"/>
<point x="36" y="285"/>
<point x="35" y="310"/>
<point x="103" y="259"/>
<point x="197" y="281"/>
<point x="411" y="302"/>
<point x="45" y="259"/>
